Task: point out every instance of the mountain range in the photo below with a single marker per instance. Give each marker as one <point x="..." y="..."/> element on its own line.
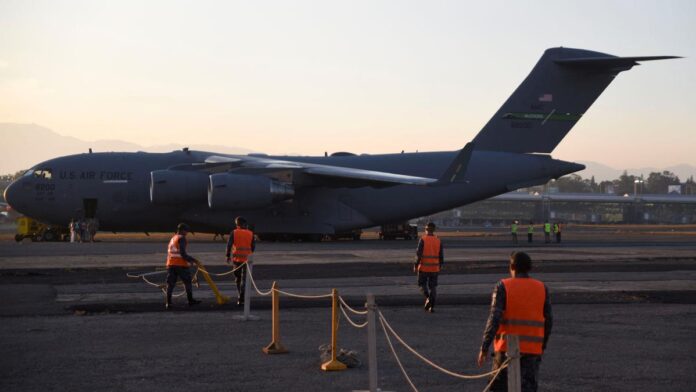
<point x="24" y="145"/>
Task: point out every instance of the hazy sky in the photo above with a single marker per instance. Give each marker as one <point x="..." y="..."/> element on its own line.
<point x="362" y="76"/>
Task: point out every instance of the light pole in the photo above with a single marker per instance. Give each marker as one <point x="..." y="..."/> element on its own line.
<point x="635" y="187"/>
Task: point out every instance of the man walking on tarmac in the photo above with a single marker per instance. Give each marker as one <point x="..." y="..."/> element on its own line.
<point x="520" y="306"/>
<point x="530" y="232"/>
<point x="178" y="262"/>
<point x="547" y="232"/>
<point x="240" y="245"/>
<point x="513" y="231"/>
<point x="429" y="260"/>
<point x="557" y="232"/>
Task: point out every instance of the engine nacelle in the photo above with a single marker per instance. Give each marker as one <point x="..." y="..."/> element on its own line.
<point x="177" y="186"/>
<point x="245" y="192"/>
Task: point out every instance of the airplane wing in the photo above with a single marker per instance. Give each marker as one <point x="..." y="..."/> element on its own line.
<point x="328" y="174"/>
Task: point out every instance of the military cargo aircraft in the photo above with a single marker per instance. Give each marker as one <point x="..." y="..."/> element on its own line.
<point x="315" y="196"/>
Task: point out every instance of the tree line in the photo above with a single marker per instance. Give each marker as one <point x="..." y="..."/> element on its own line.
<point x="654" y="183"/>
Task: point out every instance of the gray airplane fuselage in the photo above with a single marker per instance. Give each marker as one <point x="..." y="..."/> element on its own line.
<point x="322" y="195"/>
<point x="118" y="185"/>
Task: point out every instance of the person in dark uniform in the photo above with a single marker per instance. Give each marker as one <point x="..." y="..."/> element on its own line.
<point x="520" y="306"/>
<point x="547" y="232"/>
<point x="513" y="231"/>
<point x="429" y="260"/>
<point x="240" y="245"/>
<point x="530" y="232"/>
<point x="178" y="262"/>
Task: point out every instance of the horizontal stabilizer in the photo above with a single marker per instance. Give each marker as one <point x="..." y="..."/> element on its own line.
<point x="609" y="62"/>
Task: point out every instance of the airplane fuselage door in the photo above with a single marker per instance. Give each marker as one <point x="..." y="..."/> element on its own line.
<point x="90" y="208"/>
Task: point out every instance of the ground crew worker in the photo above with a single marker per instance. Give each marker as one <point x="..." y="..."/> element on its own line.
<point x="530" y="232"/>
<point x="547" y="232"/>
<point x="73" y="230"/>
<point x="513" y="231"/>
<point x="178" y="262"/>
<point x="240" y="245"/>
<point x="429" y="260"/>
<point x="557" y="232"/>
<point x="520" y="306"/>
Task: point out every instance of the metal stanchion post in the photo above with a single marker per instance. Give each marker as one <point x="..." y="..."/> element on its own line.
<point x="514" y="374"/>
<point x="371" y="344"/>
<point x="334" y="364"/>
<point x="371" y="341"/>
<point x="275" y="347"/>
<point x="247" y="294"/>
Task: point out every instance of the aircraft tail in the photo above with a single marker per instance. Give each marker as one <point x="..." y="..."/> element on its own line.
<point x="548" y="103"/>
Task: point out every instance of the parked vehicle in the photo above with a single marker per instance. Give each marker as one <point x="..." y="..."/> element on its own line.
<point x="37" y="231"/>
<point x="404" y="230"/>
<point x="346" y="235"/>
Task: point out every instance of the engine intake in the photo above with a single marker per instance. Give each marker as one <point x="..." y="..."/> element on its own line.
<point x="245" y="192"/>
<point x="176" y="187"/>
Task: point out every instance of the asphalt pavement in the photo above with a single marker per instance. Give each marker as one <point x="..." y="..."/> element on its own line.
<point x="72" y="320"/>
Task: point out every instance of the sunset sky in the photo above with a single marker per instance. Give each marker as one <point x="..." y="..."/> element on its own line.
<point x="304" y="77"/>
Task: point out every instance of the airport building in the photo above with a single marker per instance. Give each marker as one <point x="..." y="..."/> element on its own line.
<point x="573" y="207"/>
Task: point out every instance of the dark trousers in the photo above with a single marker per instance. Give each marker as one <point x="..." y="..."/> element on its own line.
<point x="240" y="278"/>
<point x="427" y="281"/>
<point x="514" y="238"/>
<point x="547" y="237"/>
<point x="529" y="367"/>
<point x="529" y="237"/>
<point x="182" y="273"/>
<point x="558" y="237"/>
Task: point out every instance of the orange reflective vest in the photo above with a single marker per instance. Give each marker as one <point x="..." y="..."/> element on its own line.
<point x="241" y="248"/>
<point x="430" y="260"/>
<point x="174" y="254"/>
<point x="523" y="315"/>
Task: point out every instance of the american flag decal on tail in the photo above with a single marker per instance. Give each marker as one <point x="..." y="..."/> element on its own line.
<point x="546" y="98"/>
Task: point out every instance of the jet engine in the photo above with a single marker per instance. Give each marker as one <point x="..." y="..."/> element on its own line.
<point x="177" y="186"/>
<point x="245" y="192"/>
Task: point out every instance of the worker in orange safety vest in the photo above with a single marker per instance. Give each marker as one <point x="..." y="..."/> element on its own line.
<point x="240" y="245"/>
<point x="429" y="260"/>
<point x="520" y="306"/>
<point x="178" y="262"/>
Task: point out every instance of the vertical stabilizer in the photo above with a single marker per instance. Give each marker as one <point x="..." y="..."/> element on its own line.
<point x="551" y="100"/>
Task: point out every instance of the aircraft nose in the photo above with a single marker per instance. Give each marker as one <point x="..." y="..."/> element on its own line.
<point x="12" y="194"/>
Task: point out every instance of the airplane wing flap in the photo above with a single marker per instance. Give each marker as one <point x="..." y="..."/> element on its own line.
<point x="368" y="176"/>
<point x="332" y="175"/>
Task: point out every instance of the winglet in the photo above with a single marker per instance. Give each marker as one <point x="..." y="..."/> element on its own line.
<point x="457" y="169"/>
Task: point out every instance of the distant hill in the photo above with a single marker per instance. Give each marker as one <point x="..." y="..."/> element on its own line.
<point x="603" y="172"/>
<point x="24" y="145"/>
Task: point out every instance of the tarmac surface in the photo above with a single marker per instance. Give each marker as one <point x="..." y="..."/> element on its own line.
<point x="624" y="314"/>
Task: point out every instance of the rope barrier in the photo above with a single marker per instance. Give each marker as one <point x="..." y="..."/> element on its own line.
<point x="497" y="371"/>
<point x="396" y="357"/>
<point x="253" y="283"/>
<point x="130" y="275"/>
<point x="163" y="286"/>
<point x="233" y="270"/>
<point x="429" y="362"/>
<point x="362" y="312"/>
<point x="304" y="296"/>
<point x="350" y="321"/>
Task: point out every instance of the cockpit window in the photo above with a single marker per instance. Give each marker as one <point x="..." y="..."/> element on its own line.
<point x="46" y="174"/>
